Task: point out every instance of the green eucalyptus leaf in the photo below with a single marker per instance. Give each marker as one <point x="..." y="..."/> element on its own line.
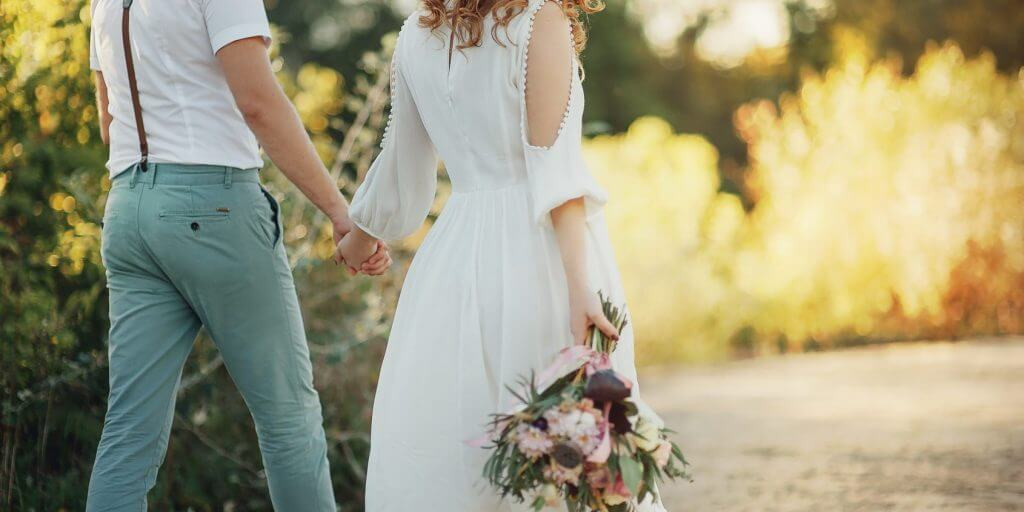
<point x="632" y="473"/>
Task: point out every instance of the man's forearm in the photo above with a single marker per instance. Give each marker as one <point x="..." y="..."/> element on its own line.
<point x="272" y="118"/>
<point x="279" y="130"/>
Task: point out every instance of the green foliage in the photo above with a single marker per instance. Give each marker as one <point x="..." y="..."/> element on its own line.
<point x="53" y="298"/>
<point x="882" y="200"/>
<point x="52" y="301"/>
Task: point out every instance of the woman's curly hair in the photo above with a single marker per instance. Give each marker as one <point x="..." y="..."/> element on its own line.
<point x="467" y="17"/>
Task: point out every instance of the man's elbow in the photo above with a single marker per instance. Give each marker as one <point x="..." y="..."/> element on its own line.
<point x="255" y="108"/>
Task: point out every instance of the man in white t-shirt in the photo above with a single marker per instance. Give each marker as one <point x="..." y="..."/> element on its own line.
<point x="191" y="239"/>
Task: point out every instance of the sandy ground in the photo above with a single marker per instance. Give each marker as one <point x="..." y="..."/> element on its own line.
<point x="905" y="427"/>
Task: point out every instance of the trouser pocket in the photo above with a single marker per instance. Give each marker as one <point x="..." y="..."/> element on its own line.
<point x="270" y="218"/>
<point x="197" y="220"/>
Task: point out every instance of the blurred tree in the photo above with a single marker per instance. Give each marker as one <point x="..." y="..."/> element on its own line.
<point x="330" y="33"/>
<point x="903" y="28"/>
<point x="885" y="207"/>
<point x="621" y="71"/>
<point x="700" y="97"/>
<point x="53" y="300"/>
<point x="51" y="286"/>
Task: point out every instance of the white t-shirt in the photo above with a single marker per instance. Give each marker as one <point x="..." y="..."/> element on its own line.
<point x="188" y="111"/>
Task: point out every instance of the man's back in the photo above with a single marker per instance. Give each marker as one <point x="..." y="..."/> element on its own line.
<point x="188" y="109"/>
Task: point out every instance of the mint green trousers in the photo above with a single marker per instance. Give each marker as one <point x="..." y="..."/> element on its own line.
<point x="190" y="246"/>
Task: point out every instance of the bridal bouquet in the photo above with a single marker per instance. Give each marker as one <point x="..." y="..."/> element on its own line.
<point x="576" y="435"/>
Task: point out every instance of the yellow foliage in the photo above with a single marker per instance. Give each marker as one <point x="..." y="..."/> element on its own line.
<point x="672" y="231"/>
<point x="886" y="206"/>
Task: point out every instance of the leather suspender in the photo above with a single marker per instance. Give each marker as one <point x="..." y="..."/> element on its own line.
<point x="133" y="85"/>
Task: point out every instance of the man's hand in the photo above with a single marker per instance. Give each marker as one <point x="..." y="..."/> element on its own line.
<point x="361" y="252"/>
<point x="342" y="225"/>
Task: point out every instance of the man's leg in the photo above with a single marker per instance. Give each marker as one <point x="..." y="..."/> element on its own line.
<point x="267" y="357"/>
<point x="248" y="303"/>
<point x="152" y="330"/>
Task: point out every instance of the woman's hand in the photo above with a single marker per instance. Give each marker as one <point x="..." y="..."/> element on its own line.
<point x="379" y="262"/>
<point x="585" y="312"/>
<point x="356" y="250"/>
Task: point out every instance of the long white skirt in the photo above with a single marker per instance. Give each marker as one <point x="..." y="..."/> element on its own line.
<point x="485" y="303"/>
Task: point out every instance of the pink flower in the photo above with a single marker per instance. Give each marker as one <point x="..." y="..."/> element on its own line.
<point x="599" y="477"/>
<point x="617" y="493"/>
<point x="604" y="448"/>
<point x="662" y="454"/>
<point x="598" y="362"/>
<point x="532" y="441"/>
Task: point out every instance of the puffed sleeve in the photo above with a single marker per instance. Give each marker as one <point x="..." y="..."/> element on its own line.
<point x="396" y="195"/>
<point x="552" y="113"/>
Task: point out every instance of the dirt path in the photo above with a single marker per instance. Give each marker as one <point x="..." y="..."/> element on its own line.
<point x="906" y="427"/>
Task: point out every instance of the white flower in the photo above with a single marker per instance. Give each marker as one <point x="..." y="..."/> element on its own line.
<point x="549" y="493"/>
<point x="586" y="438"/>
<point x="556" y="422"/>
<point x="572" y="419"/>
<point x="587" y="420"/>
<point x="647" y="435"/>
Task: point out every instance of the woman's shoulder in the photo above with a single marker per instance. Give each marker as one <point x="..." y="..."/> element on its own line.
<point x="412" y="34"/>
<point x="543" y="15"/>
<point x="411" y="23"/>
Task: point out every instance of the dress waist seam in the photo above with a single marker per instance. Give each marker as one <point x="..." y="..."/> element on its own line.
<point x="518" y="184"/>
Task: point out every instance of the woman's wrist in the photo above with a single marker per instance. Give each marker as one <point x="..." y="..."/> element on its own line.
<point x="361" y="236"/>
<point x="578" y="284"/>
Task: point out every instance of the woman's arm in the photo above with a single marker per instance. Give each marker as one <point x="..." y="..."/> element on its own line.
<point x="102" y="111"/>
<point x="585" y="310"/>
<point x="549" y="72"/>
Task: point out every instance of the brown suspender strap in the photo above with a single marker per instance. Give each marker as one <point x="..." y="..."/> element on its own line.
<point x="133" y="85"/>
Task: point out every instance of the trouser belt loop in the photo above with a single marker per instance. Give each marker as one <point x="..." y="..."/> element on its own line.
<point x="228" y="171"/>
<point x="152" y="176"/>
<point x="135" y="176"/>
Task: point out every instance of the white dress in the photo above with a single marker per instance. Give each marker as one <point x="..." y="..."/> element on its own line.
<point x="485" y="300"/>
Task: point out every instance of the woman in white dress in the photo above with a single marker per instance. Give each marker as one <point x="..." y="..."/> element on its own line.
<point x="509" y="274"/>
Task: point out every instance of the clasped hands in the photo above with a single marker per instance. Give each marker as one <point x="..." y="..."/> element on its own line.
<point x="359" y="251"/>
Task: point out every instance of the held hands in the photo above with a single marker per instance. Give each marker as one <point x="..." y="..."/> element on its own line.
<point x="361" y="252"/>
<point x="585" y="312"/>
<point x="355" y="249"/>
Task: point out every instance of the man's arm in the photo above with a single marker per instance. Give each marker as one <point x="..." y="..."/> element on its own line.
<point x="273" y="119"/>
<point x="102" y="110"/>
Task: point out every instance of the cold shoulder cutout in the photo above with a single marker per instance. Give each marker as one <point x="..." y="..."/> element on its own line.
<point x="548" y="80"/>
<point x="550" y="89"/>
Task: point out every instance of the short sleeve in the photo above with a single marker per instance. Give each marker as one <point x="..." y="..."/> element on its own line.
<point x="94" y="59"/>
<point x="228" y="21"/>
<point x="552" y="114"/>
